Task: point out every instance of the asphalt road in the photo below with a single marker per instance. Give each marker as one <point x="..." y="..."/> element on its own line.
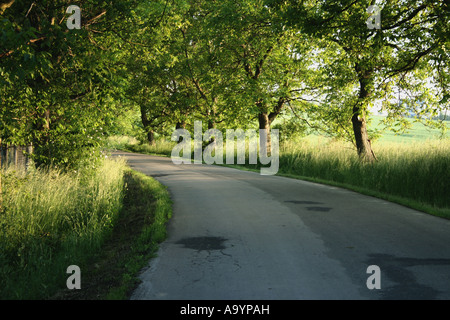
<point x="240" y="235"/>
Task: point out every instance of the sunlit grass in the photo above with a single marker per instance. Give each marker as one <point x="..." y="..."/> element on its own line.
<point x="51" y="220"/>
<point x="417" y="132"/>
<point x="161" y="147"/>
<point x="420" y="171"/>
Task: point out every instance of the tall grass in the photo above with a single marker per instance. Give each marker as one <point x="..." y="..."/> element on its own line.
<point x="161" y="147"/>
<point x="419" y="172"/>
<point x="51" y="220"/>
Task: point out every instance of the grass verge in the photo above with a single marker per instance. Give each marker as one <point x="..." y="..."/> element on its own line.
<point x="50" y="220"/>
<point x="112" y="274"/>
<point x="414" y="176"/>
<point x="106" y="219"/>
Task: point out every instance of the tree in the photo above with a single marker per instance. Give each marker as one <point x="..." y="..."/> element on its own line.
<point x="160" y="85"/>
<point x="58" y="85"/>
<point x="270" y="62"/>
<point x="400" y="55"/>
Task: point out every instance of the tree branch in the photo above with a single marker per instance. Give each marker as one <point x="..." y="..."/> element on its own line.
<point x="408" y="18"/>
<point x="4" y="6"/>
<point x="410" y="65"/>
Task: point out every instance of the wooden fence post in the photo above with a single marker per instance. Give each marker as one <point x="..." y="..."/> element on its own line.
<point x="29" y="152"/>
<point x="15" y="156"/>
<point x="1" y="154"/>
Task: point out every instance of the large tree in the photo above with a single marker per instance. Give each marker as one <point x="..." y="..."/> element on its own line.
<point x="408" y="50"/>
<point x="269" y="62"/>
<point x="58" y="85"/>
<point x="156" y="84"/>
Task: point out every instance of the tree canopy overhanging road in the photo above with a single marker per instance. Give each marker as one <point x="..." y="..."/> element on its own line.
<point x="228" y="63"/>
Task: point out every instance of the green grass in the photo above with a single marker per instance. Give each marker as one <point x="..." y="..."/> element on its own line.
<point x="416" y="175"/>
<point x="162" y="147"/>
<point x="111" y="274"/>
<point x="147" y="205"/>
<point x="51" y="220"/>
<point x="107" y="220"/>
<point x="417" y="133"/>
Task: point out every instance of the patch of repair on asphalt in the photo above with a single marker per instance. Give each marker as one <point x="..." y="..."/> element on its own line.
<point x="203" y="243"/>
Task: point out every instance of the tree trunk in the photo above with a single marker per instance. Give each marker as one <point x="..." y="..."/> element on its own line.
<point x="180" y="125"/>
<point x="265" y="119"/>
<point x="212" y="119"/>
<point x="363" y="145"/>
<point x="1" y="155"/>
<point x="147" y="126"/>
<point x="264" y="124"/>
<point x="151" y="137"/>
<point x="211" y="125"/>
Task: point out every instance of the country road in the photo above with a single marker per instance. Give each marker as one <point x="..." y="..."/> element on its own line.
<point x="240" y="235"/>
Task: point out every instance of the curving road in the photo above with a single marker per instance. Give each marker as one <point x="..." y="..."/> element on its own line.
<point x="239" y="235"/>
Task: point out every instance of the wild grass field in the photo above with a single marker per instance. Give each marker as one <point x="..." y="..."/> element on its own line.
<point x="106" y="218"/>
<point x="418" y="132"/>
<point x="415" y="174"/>
<point x="50" y="220"/>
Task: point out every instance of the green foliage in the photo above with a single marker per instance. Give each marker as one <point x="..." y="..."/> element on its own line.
<point x="60" y="87"/>
<point x="290" y="128"/>
<point x="402" y="67"/>
<point x="142" y="68"/>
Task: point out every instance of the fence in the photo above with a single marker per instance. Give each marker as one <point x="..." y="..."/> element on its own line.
<point x="15" y="156"/>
